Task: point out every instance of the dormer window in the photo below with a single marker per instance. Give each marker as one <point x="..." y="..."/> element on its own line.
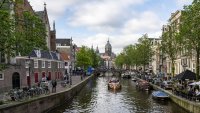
<point x="38" y="53"/>
<point x="43" y="64"/>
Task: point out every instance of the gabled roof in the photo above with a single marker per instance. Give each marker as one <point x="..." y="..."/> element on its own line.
<point x="45" y="54"/>
<point x="54" y="55"/>
<point x="64" y="56"/>
<point x="64" y="41"/>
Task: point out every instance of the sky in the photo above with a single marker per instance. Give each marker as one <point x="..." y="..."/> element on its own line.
<point x="93" y="22"/>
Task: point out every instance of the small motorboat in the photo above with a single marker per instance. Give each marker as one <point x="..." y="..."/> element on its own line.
<point x="126" y="75"/>
<point x="143" y="85"/>
<point x="160" y="95"/>
<point x="134" y="79"/>
<point x="114" y="84"/>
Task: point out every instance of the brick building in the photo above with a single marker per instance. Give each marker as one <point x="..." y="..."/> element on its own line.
<point x="29" y="70"/>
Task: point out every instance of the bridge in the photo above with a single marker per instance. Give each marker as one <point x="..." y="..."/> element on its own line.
<point x="113" y="72"/>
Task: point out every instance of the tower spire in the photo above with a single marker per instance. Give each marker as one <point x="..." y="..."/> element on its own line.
<point x="45" y="6"/>
<point x="54" y="28"/>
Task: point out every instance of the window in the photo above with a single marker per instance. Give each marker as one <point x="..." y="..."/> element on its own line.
<point x="49" y="64"/>
<point x="27" y="62"/>
<point x="1" y="76"/>
<point x="43" y="64"/>
<point x="35" y="63"/>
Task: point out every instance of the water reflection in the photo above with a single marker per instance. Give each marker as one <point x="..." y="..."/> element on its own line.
<point x="96" y="98"/>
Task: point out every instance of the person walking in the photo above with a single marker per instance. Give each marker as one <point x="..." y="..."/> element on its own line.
<point x="54" y="84"/>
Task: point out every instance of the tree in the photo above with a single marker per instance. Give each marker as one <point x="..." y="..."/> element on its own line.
<point x="83" y="58"/>
<point x="190" y="30"/>
<point x="144" y="50"/>
<point x="170" y="46"/>
<point x="119" y="60"/>
<point x="6" y="34"/>
<point x="30" y="33"/>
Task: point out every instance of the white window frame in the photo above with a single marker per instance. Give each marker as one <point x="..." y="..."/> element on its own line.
<point x="43" y="64"/>
<point x="27" y="63"/>
<point x="49" y="64"/>
<point x="35" y="63"/>
<point x="2" y="76"/>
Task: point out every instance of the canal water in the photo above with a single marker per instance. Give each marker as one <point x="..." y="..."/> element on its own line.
<point x="96" y="98"/>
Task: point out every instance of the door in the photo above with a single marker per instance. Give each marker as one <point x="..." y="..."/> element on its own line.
<point x="15" y="80"/>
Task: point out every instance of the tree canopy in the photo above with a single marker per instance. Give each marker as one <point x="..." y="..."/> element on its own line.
<point x="189" y="30"/>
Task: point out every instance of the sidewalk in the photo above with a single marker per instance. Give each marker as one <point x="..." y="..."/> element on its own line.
<point x="75" y="80"/>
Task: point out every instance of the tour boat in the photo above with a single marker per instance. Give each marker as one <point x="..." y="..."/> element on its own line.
<point x="160" y="95"/>
<point x="114" y="84"/>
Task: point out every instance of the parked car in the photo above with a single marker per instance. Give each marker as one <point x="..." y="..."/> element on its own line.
<point x="166" y="85"/>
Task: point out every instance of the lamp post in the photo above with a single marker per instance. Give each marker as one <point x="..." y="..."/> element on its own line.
<point x="70" y="77"/>
<point x="29" y="72"/>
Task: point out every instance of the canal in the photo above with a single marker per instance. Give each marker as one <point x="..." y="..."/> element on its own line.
<point x="96" y="98"/>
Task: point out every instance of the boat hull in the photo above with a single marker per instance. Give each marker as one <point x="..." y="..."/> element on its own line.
<point x="114" y="86"/>
<point x="159" y="95"/>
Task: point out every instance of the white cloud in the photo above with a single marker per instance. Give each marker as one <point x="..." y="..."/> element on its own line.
<point x="55" y="8"/>
<point x="181" y="3"/>
<point x="146" y="22"/>
<point x="102" y="15"/>
<point x="100" y="40"/>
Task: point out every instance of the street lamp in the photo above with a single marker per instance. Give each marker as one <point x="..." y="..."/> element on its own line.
<point x="29" y="72"/>
<point x="70" y="70"/>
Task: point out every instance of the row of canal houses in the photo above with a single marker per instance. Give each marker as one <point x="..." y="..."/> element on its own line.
<point x="161" y="64"/>
<point x="24" y="71"/>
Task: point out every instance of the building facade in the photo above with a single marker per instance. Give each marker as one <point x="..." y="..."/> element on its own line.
<point x="183" y="61"/>
<point x="28" y="71"/>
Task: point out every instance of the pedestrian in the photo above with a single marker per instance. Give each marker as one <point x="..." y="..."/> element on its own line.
<point x="54" y="84"/>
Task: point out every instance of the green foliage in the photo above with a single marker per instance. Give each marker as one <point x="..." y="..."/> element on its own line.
<point x="87" y="57"/>
<point x="144" y="50"/>
<point x="20" y="33"/>
<point x="30" y="33"/>
<point x="6" y="34"/>
<point x="137" y="54"/>
<point x="171" y="45"/>
<point x="119" y="60"/>
<point x="189" y="30"/>
<point x="83" y="58"/>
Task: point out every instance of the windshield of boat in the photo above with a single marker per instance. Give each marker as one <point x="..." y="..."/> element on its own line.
<point x="114" y="80"/>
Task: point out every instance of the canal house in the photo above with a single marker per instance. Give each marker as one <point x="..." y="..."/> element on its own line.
<point x="25" y="71"/>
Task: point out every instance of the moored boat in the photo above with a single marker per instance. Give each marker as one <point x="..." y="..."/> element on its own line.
<point x="134" y="79"/>
<point x="143" y="85"/>
<point x="114" y="84"/>
<point x="160" y="95"/>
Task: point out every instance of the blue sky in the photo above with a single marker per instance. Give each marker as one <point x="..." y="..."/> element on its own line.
<point x="92" y="22"/>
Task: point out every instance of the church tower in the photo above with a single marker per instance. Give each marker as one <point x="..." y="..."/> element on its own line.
<point x="108" y="48"/>
<point x="97" y="50"/>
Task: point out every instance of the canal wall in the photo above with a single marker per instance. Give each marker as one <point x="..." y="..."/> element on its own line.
<point x="45" y="103"/>
<point x="193" y="107"/>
